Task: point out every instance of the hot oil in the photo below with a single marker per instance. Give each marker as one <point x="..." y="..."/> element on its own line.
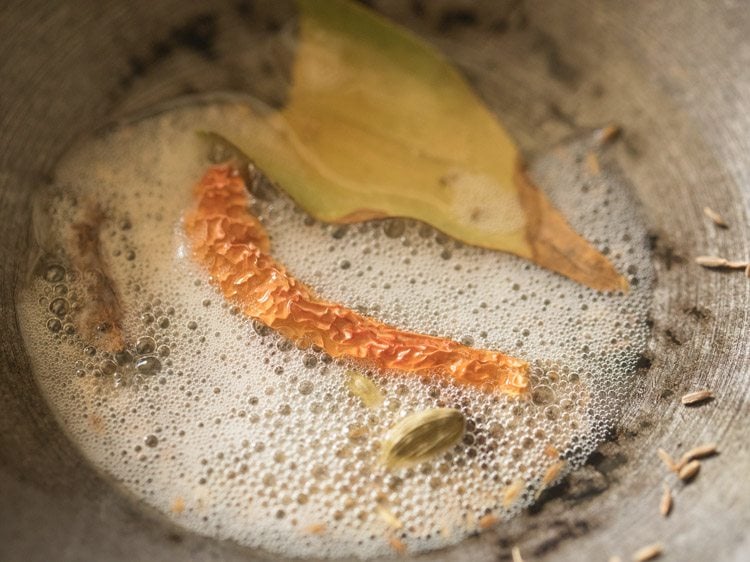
<point x="233" y="432"/>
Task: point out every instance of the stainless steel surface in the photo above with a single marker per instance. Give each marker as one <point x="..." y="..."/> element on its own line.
<point x="674" y="73"/>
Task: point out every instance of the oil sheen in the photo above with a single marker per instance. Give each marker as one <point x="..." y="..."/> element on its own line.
<point x="233" y="432"/>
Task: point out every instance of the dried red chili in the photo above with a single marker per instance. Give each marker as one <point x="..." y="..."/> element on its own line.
<point x="233" y="247"/>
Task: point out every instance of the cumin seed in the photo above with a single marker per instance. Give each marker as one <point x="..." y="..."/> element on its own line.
<point x="648" y="552"/>
<point x="592" y="164"/>
<point x="397" y="544"/>
<point x="608" y="134"/>
<point x="696" y="396"/>
<point x="667" y="460"/>
<point x="699" y="452"/>
<point x="689" y="471"/>
<point x="487" y="521"/>
<point x="717" y="219"/>
<point x="716" y="262"/>
<point x="364" y="389"/>
<point x="711" y="261"/>
<point x="665" y="506"/>
<point x="511" y="493"/>
<point x="553" y="472"/>
<point x="316" y="529"/>
<point x="550" y="476"/>
<point x="551" y="451"/>
<point x="390" y="519"/>
<point x="516" y="554"/>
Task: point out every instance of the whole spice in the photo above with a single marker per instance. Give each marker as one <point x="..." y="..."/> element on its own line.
<point x="487" y="521"/>
<point x="667" y="460"/>
<point x="388" y="517"/>
<point x="234" y="247"/>
<point x="422" y="436"/>
<point x="608" y="133"/>
<point x="715" y="262"/>
<point x="711" y="261"/>
<point x="397" y="544"/>
<point x="392" y="129"/>
<point x="689" y="471"/>
<point x="364" y="389"/>
<point x="315" y="529"/>
<point x="699" y="452"/>
<point x="511" y="493"/>
<point x="665" y="505"/>
<point x="592" y="164"/>
<point x="696" y="396"/>
<point x="100" y="319"/>
<point x="717" y="219"/>
<point x="550" y="476"/>
<point x="648" y="553"/>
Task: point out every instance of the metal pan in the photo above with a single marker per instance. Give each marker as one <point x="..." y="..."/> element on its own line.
<point x="675" y="74"/>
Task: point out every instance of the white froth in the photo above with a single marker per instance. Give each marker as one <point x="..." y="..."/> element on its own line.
<point x="234" y="433"/>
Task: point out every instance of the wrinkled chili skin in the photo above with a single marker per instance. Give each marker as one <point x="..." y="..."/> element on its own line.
<point x="232" y="245"/>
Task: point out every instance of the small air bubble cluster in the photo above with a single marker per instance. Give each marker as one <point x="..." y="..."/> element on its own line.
<point x="234" y="432"/>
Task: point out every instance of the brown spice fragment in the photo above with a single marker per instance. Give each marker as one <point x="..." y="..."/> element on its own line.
<point x="553" y="472"/>
<point x="667" y="460"/>
<point x="511" y="493"/>
<point x="516" y="554"/>
<point x="315" y="529"/>
<point x="550" y="451"/>
<point x="747" y="271"/>
<point x="592" y="164"/>
<point x="487" y="521"/>
<point x="648" y="552"/>
<point x="178" y="506"/>
<point x="689" y="471"/>
<point x="470" y="520"/>
<point x="665" y="505"/>
<point x="550" y="476"/>
<point x="390" y="519"/>
<point x="100" y="319"/>
<point x="608" y="134"/>
<point x="696" y="396"/>
<point x="717" y="219"/>
<point x="97" y="424"/>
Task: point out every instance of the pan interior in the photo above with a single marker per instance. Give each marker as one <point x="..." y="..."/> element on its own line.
<point x="235" y="433"/>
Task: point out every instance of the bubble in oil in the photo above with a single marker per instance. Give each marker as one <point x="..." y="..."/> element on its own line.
<point x="234" y="432"/>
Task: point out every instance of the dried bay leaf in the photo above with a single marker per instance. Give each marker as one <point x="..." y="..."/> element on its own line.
<point x="379" y="124"/>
